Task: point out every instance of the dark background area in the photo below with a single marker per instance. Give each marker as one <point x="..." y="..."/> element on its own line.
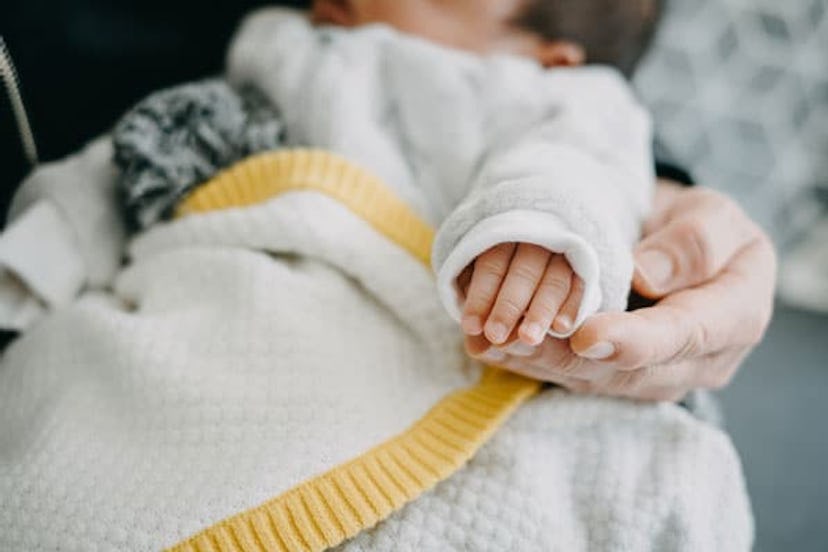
<point x="82" y="63"/>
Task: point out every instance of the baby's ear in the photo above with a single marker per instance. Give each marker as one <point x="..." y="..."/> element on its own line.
<point x="560" y="53"/>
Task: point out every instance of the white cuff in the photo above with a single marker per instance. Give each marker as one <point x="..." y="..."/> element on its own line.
<point x="40" y="250"/>
<point x="523" y="226"/>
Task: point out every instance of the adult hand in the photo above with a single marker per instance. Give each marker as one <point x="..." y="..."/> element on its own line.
<point x="713" y="273"/>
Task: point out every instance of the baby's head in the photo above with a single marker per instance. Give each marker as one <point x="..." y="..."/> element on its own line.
<point x="555" y="32"/>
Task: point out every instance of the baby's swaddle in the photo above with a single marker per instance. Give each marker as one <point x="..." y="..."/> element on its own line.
<point x="248" y="349"/>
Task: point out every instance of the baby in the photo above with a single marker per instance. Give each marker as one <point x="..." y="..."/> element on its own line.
<point x="517" y="287"/>
<point x="280" y="346"/>
<point x="580" y="130"/>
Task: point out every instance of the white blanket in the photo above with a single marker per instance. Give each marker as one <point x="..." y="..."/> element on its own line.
<point x="243" y="351"/>
<point x="246" y="350"/>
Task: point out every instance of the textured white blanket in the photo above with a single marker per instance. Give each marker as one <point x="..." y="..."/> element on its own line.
<point x="244" y="351"/>
<point x="247" y="350"/>
<point x="215" y="376"/>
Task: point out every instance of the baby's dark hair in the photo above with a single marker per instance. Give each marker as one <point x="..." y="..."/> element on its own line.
<point x="612" y="32"/>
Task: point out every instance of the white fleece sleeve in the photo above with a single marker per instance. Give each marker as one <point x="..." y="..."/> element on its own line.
<point x="578" y="182"/>
<point x="65" y="234"/>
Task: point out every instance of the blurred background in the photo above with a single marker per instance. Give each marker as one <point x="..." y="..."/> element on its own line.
<point x="739" y="91"/>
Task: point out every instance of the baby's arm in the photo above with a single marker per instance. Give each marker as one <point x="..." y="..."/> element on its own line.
<point x="546" y="233"/>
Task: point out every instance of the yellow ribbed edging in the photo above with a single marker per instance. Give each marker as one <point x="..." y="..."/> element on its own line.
<point x="330" y="508"/>
<point x="264" y="176"/>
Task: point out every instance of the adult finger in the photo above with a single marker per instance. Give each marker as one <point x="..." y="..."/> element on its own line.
<point x="697" y="234"/>
<point x="552" y="362"/>
<point x="731" y="311"/>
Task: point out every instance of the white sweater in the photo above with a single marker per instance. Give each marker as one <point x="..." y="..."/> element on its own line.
<point x="492" y="150"/>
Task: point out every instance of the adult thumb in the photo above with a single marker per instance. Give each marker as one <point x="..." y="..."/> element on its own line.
<point x="688" y="251"/>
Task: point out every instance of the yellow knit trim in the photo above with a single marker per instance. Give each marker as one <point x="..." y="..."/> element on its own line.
<point x="337" y="505"/>
<point x="267" y="175"/>
<point x="328" y="509"/>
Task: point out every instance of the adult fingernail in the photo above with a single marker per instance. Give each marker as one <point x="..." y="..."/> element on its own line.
<point x="532" y="332"/>
<point x="497" y="332"/>
<point x="471" y="325"/>
<point x="493" y="355"/>
<point x="520" y="349"/>
<point x="599" y="351"/>
<point x="562" y="324"/>
<point x="656" y="267"/>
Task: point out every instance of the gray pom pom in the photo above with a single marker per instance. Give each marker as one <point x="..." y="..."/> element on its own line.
<point x="179" y="138"/>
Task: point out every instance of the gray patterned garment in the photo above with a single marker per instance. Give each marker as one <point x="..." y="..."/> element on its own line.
<point x="179" y="138"/>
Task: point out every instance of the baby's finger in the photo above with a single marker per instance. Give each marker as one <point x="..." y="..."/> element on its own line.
<point x="525" y="273"/>
<point x="490" y="269"/>
<point x="565" y="321"/>
<point x="464" y="280"/>
<point x="548" y="300"/>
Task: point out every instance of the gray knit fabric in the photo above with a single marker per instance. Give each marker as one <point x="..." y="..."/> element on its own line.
<point x="176" y="139"/>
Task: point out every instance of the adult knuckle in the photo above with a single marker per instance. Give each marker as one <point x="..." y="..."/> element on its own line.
<point x="635" y="357"/>
<point x="642" y="377"/>
<point x="731" y="211"/>
<point x="635" y="353"/>
<point x="699" y="247"/>
<point x="721" y="204"/>
<point x="570" y="366"/>
<point x="695" y="340"/>
<point x="699" y="339"/>
<point x="710" y="198"/>
<point x="623" y="382"/>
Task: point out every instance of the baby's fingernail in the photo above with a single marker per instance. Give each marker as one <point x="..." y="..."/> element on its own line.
<point x="497" y="332"/>
<point x="493" y="355"/>
<point x="599" y="351"/>
<point x="562" y="324"/>
<point x="532" y="332"/>
<point x="520" y="349"/>
<point x="655" y="267"/>
<point x="471" y="325"/>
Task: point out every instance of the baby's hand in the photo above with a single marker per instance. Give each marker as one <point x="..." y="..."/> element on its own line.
<point x="524" y="284"/>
